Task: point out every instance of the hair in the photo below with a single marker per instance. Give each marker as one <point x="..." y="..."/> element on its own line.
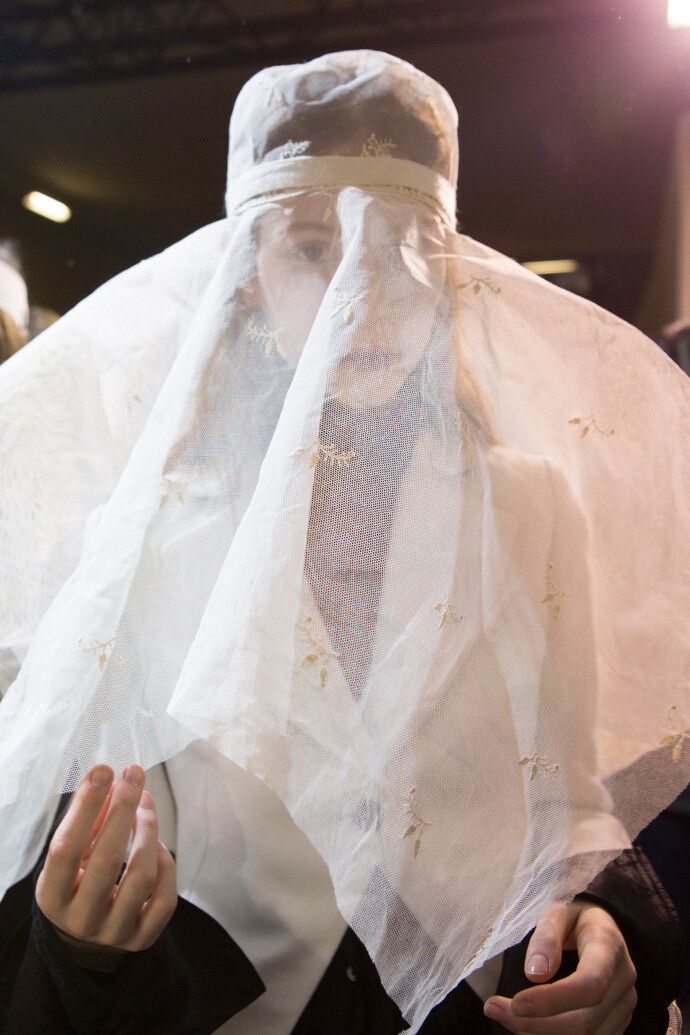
<point x="675" y="341"/>
<point x="12" y="339"/>
<point x="11" y="254"/>
<point x="474" y="410"/>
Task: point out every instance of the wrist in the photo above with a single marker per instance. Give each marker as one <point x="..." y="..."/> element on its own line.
<point x="91" y="956"/>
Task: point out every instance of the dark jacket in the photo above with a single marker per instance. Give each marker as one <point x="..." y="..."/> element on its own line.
<point x="196" y="977"/>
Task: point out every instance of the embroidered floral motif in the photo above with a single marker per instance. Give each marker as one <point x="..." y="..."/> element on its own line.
<point x="480" y="949"/>
<point x="17" y="416"/>
<point x="616" y="565"/>
<point x="177" y="486"/>
<point x="591" y="424"/>
<point x="375" y="148"/>
<point x="63" y="704"/>
<point x="447" y="612"/>
<point x="555" y="594"/>
<point x="320" y="652"/>
<point x="327" y="453"/>
<point x="133" y="393"/>
<point x="332" y="456"/>
<point x="539" y="766"/>
<point x="262" y="335"/>
<point x="293" y="148"/>
<point x="471" y="450"/>
<point x="477" y="283"/>
<point x="468" y="446"/>
<point x="677" y="737"/>
<point x="35" y="501"/>
<point x="418" y="825"/>
<point x="675" y="1019"/>
<point x="103" y="650"/>
<point x="46" y="530"/>
<point x="345" y="304"/>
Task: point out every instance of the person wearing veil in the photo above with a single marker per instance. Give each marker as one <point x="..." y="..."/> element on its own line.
<point x="371" y="549"/>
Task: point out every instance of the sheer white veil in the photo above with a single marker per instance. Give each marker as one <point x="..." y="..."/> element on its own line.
<point x="417" y="556"/>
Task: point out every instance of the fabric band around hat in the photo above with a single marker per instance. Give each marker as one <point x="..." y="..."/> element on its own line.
<point x="305" y="172"/>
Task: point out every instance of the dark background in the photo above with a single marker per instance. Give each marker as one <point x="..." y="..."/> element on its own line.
<point x="120" y="109"/>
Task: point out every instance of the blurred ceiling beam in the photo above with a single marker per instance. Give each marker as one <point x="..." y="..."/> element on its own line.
<point x="50" y="42"/>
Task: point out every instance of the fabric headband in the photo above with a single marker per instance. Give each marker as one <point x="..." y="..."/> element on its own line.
<point x="288" y="175"/>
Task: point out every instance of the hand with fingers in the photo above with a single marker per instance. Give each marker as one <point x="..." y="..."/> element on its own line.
<point x="598" y="998"/>
<point x="99" y="917"/>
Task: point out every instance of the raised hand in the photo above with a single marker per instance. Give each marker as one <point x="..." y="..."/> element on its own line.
<point x="78" y="888"/>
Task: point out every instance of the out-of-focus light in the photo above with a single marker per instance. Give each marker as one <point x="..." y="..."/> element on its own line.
<point x="678" y="13"/>
<point x="43" y="205"/>
<point x="549" y="267"/>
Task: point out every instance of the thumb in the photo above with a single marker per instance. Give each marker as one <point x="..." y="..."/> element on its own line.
<point x="545" y="947"/>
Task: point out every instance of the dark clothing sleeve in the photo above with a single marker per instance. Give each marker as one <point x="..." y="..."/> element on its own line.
<point x="629" y="889"/>
<point x="351" y="999"/>
<point x="195" y="977"/>
<point x="192" y="980"/>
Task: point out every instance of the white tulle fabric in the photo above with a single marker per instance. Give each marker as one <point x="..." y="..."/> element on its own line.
<point x="429" y="582"/>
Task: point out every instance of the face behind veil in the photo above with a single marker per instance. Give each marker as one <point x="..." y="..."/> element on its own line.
<point x="372" y="510"/>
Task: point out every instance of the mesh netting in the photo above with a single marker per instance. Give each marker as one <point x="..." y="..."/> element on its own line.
<point x="398" y="528"/>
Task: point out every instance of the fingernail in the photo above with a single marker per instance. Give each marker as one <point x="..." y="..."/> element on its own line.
<point x="132" y="775"/>
<point x="101" y="776"/>
<point x="146" y="802"/>
<point x="538" y="966"/>
<point x="493" y="1010"/>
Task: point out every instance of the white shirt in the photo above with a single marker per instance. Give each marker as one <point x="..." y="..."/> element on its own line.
<point x="242" y="859"/>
